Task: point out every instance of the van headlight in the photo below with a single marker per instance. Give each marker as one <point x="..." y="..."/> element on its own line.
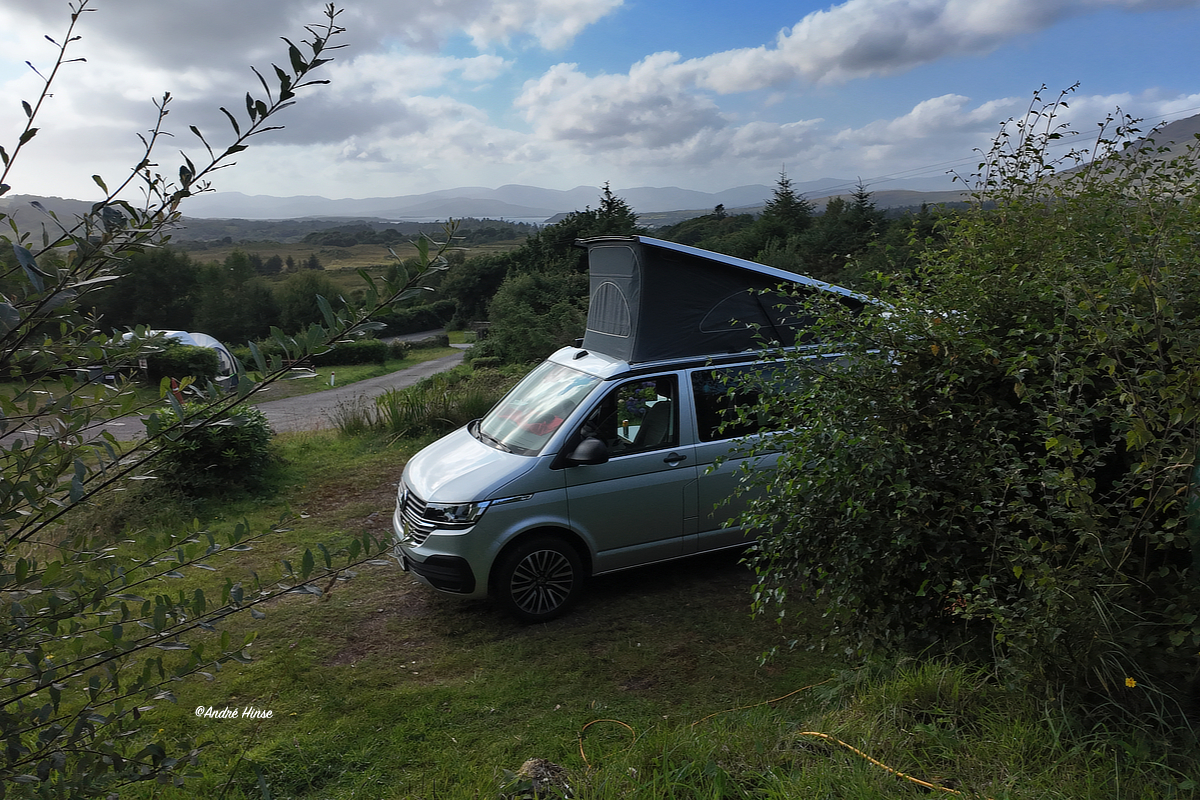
<point x="455" y="515"/>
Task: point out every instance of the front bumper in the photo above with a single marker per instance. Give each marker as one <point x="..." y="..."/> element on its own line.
<point x="446" y="573"/>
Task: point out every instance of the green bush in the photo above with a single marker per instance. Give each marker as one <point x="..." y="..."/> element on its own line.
<point x="207" y="457"/>
<point x="485" y="362"/>
<point x="430" y="342"/>
<point x="362" y="351"/>
<point x="418" y="318"/>
<point x="1008" y="462"/>
<point x="181" y="360"/>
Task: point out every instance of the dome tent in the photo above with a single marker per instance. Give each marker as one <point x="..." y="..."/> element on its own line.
<point x="226" y="365"/>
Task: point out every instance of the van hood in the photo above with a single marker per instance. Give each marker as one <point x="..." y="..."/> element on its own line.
<point x="458" y="468"/>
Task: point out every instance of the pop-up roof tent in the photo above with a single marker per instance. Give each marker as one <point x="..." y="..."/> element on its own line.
<point x="653" y="300"/>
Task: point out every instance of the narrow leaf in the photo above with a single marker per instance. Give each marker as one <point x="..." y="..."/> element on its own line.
<point x="232" y="121"/>
<point x="10" y="318"/>
<point x="29" y="264"/>
<point x="298" y="65"/>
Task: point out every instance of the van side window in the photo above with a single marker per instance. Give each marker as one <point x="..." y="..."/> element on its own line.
<point x="637" y="416"/>
<point x="719" y="393"/>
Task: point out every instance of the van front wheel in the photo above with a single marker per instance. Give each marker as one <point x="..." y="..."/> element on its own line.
<point x="539" y="579"/>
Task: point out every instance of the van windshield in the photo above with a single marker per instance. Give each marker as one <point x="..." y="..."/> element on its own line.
<point x="530" y="414"/>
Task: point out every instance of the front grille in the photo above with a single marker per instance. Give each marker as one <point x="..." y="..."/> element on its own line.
<point x="412" y="512"/>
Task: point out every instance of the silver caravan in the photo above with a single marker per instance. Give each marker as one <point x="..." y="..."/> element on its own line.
<point x="601" y="459"/>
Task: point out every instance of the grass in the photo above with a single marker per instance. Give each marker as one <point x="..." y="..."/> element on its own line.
<point x="653" y="687"/>
<point x="339" y="263"/>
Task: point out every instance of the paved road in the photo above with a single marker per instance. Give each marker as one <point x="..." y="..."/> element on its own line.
<point x="313" y="411"/>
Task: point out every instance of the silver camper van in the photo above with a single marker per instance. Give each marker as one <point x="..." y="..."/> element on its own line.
<point x="602" y="458"/>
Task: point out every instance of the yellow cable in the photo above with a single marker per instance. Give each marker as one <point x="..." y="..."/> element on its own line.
<point x="583" y="755"/>
<point x="763" y="703"/>
<point x="880" y="764"/>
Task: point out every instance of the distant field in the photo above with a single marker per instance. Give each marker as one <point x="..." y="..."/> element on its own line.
<point x="331" y="258"/>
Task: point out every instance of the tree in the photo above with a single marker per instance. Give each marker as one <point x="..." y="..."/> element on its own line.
<point x="232" y="302"/>
<point x="535" y="313"/>
<point x="272" y="266"/>
<point x="829" y="247"/>
<point x="81" y="650"/>
<point x="542" y="303"/>
<point x="1006" y="465"/>
<point x="473" y="285"/>
<point x="157" y="289"/>
<point x="297" y="299"/>
<point x="786" y="213"/>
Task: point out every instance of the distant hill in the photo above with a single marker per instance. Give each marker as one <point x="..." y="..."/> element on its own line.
<point x="1176" y="136"/>
<point x="527" y="203"/>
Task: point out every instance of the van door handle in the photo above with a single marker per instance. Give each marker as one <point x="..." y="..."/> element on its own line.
<point x="674" y="459"/>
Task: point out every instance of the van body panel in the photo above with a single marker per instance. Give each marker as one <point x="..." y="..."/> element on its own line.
<point x="633" y="507"/>
<point x="723" y="494"/>
<point x="478" y="547"/>
<point x="459" y="468"/>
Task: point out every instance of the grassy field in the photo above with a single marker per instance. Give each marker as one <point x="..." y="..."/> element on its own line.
<point x="333" y="259"/>
<point x="655" y="686"/>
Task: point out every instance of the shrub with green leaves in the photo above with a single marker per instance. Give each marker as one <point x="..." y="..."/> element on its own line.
<point x="425" y="317"/>
<point x="1006" y="461"/>
<point x="204" y="455"/>
<point x="361" y="351"/>
<point x="178" y="360"/>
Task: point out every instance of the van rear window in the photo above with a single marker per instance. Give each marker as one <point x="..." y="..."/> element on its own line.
<point x="719" y="396"/>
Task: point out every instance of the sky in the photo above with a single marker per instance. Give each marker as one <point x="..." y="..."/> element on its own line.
<point x="697" y="94"/>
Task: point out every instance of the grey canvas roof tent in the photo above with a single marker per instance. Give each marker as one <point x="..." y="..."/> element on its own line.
<point x="654" y="300"/>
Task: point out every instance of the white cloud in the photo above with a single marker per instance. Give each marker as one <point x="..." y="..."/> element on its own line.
<point x="424" y="97"/>
<point x="864" y="38"/>
<point x="641" y="109"/>
<point x="380" y="77"/>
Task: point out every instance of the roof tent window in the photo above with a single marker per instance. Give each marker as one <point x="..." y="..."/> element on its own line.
<point x="737" y="311"/>
<point x="609" y="311"/>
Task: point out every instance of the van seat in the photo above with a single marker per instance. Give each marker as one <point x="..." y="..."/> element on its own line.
<point x="655" y="430"/>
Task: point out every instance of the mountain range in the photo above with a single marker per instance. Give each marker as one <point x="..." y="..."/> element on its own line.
<point x="654" y="206"/>
<point x="527" y="203"/>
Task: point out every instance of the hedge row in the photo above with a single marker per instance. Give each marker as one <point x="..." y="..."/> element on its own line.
<point x="363" y="351"/>
<point x="421" y="318"/>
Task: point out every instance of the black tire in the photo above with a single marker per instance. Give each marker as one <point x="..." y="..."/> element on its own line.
<point x="539" y="579"/>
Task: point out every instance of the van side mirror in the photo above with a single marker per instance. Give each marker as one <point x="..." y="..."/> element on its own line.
<point x="588" y="452"/>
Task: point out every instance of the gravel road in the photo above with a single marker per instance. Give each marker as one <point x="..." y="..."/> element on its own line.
<point x="313" y="411"/>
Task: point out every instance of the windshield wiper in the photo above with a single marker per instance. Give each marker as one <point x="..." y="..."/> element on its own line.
<point x="499" y="445"/>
